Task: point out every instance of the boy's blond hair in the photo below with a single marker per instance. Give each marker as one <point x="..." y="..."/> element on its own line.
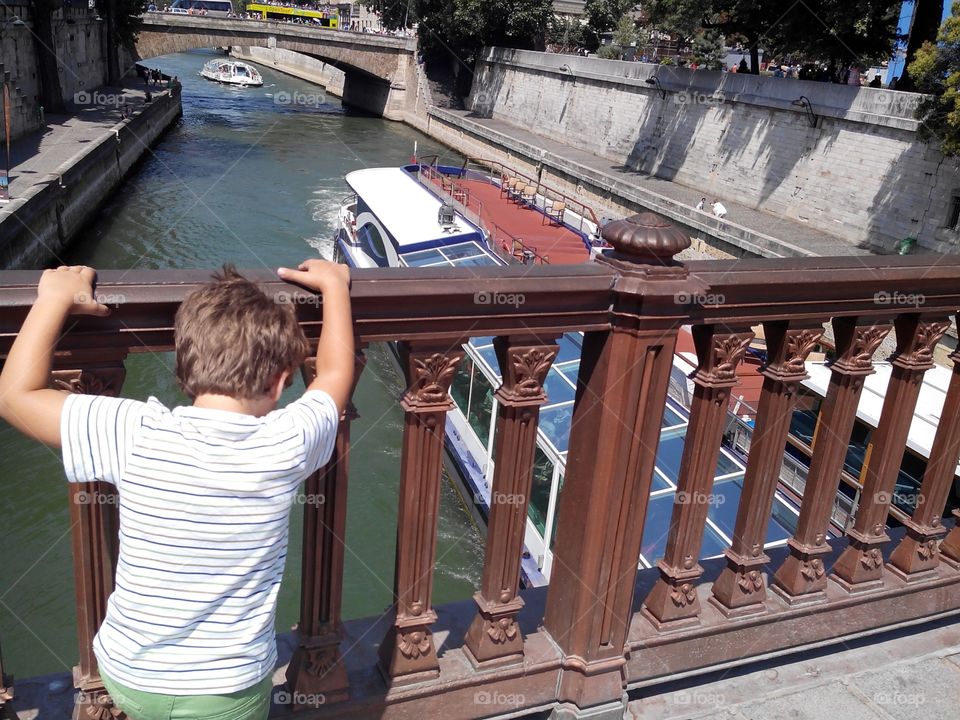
<point x="231" y="339"/>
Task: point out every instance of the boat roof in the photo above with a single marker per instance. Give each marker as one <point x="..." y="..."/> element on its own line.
<point x="407" y="210"/>
<point x="926" y="417"/>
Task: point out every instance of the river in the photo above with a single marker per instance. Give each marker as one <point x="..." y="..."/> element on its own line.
<point x="248" y="180"/>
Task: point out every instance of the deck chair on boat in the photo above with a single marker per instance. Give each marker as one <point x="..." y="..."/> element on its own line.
<point x="553" y="211"/>
<point x="529" y="195"/>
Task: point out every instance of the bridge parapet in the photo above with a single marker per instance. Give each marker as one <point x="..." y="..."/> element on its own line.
<point x="594" y="639"/>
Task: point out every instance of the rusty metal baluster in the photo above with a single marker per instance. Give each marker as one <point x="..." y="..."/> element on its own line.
<point x="916" y="556"/>
<point x="494" y="636"/>
<point x="95" y="522"/>
<point x="802" y="577"/>
<point x="860" y="566"/>
<point x="621" y="392"/>
<point x="315" y="673"/>
<point x="407" y="653"/>
<point x="741" y="586"/>
<point x="673" y="601"/>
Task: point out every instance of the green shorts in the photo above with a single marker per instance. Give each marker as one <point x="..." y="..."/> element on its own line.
<point x="253" y="703"/>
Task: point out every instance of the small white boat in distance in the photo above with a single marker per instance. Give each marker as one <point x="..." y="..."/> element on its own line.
<point x="232" y="72"/>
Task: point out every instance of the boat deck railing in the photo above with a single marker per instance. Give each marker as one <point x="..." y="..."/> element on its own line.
<point x="601" y="629"/>
<point x="507" y="245"/>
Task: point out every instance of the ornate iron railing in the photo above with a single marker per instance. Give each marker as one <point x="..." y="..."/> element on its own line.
<point x="598" y="634"/>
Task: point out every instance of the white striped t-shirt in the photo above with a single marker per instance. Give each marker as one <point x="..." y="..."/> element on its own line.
<point x="205" y="498"/>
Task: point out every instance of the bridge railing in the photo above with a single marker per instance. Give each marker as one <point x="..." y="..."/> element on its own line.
<point x="603" y="629"/>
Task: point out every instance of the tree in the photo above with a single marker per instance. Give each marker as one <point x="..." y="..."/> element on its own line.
<point x="852" y="31"/>
<point x="936" y="72"/>
<point x="625" y="33"/>
<point x="708" y="51"/>
<point x="456" y="30"/>
<point x="122" y="23"/>
<point x="603" y="16"/>
<point x="567" y="32"/>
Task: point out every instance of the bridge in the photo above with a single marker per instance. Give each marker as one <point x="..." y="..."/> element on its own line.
<point x="602" y="633"/>
<point x="379" y="69"/>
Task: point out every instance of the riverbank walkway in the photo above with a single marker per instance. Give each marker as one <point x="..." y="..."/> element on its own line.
<point x="752" y="230"/>
<point x="35" y="157"/>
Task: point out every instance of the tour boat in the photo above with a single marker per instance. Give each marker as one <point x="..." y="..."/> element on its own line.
<point x="232" y="72"/>
<point x="427" y="215"/>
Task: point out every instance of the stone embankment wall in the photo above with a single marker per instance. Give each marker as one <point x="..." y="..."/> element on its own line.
<point x="36" y="227"/>
<point x="846" y="160"/>
<point x="79" y="41"/>
<point x="297" y="64"/>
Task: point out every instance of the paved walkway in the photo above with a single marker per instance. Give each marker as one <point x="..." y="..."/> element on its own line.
<point x="913" y="675"/>
<point x="34" y="157"/>
<point x="760" y="223"/>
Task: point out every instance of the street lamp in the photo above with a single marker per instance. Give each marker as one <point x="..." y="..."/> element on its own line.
<point x="804" y="102"/>
<point x="565" y="69"/>
<point x="656" y="81"/>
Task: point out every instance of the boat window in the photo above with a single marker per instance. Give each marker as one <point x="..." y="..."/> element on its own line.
<point x="540" y="490"/>
<point x="804" y="420"/>
<point x="857" y="449"/>
<point x="481" y="406"/>
<point x="371" y="239"/>
<point x="907" y="490"/>
<point x="460" y="388"/>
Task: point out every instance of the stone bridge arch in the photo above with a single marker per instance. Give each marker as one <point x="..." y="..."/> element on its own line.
<point x="379" y="70"/>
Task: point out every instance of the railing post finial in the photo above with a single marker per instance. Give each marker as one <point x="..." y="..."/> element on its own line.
<point x="646" y="238"/>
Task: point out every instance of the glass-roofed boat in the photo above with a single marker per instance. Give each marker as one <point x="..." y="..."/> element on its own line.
<point x="434" y="216"/>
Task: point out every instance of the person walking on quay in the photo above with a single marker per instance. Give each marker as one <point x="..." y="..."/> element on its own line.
<point x="703" y="201"/>
<point x="205" y="490"/>
<point x="718" y="209"/>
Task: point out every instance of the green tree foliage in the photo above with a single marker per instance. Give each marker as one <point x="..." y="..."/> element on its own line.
<point x="845" y="31"/>
<point x="936" y="72"/>
<point x="568" y="32"/>
<point x="708" y="51"/>
<point x="603" y="16"/>
<point x="625" y="33"/>
<point x="463" y="27"/>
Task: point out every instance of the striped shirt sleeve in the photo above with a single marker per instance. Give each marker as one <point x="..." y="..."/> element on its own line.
<point x="97" y="434"/>
<point x="315" y="413"/>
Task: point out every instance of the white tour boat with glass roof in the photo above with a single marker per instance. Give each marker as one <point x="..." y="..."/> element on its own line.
<point x="395" y="218"/>
<point x="231" y="72"/>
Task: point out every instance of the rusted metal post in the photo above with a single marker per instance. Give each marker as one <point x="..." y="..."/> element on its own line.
<point x="802" y="577"/>
<point x="860" y="566"/>
<point x="407" y="653"/>
<point x="673" y="601"/>
<point x="916" y="555"/>
<point x="741" y="586"/>
<point x="494" y="637"/>
<point x="315" y="674"/>
<point x="621" y="391"/>
<point x="95" y="521"/>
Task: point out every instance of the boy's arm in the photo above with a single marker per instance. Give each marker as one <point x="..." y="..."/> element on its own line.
<point x="335" y="349"/>
<point x="26" y="401"/>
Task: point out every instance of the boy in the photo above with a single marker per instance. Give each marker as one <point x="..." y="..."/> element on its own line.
<point x="205" y="490"/>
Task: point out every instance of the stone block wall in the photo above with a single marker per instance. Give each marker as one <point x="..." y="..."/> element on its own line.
<point x="846" y="160"/>
<point x="79" y="45"/>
